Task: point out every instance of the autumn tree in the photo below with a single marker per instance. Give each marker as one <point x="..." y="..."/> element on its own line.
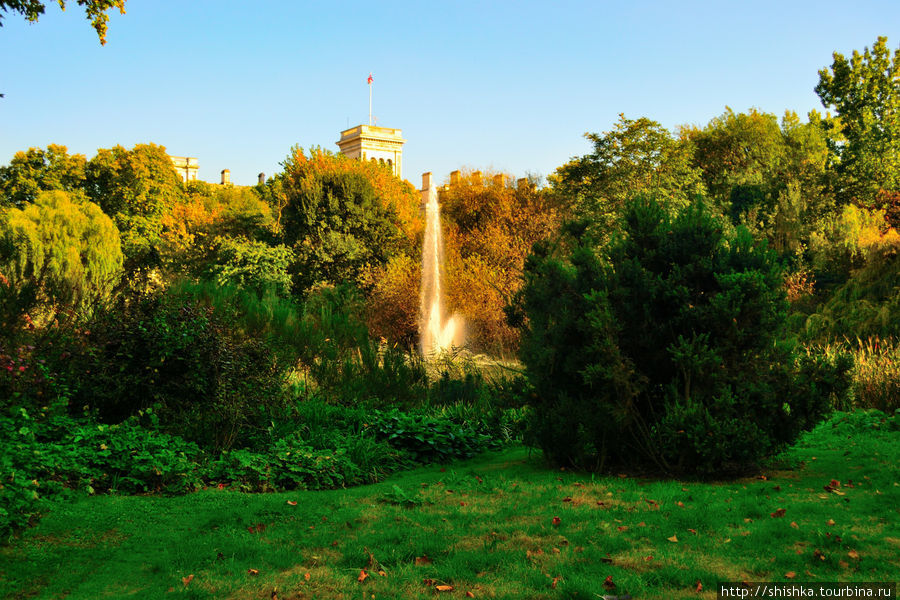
<point x="490" y="228"/>
<point x="94" y="10"/>
<point x="636" y="158"/>
<point x="36" y="170"/>
<point x="57" y="253"/>
<point x="864" y="92"/>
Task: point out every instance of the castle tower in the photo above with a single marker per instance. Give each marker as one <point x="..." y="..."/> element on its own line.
<point x="375" y="144"/>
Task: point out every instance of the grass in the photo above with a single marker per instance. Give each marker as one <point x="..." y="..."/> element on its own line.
<point x="500" y="526"/>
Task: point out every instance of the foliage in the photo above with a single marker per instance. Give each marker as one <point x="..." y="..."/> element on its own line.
<point x="636" y="158"/>
<point x="252" y="265"/>
<point x="392" y="303"/>
<point x="46" y="455"/>
<point x="426" y="438"/>
<point x="864" y="92"/>
<point x="94" y="10"/>
<point x="876" y="371"/>
<point x="716" y="387"/>
<point x="346" y="364"/>
<point x="37" y="170"/>
<point x="489" y="230"/>
<point x="769" y="178"/>
<point x="211" y="380"/>
<point x="136" y="188"/>
<point x="56" y="254"/>
<point x="334" y="220"/>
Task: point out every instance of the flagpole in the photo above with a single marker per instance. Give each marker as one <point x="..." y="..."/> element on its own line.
<point x="370" y="99"/>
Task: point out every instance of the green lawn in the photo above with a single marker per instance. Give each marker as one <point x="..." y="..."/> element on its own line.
<point x="501" y="526"/>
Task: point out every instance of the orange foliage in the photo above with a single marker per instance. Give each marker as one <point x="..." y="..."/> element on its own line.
<point x="489" y="231"/>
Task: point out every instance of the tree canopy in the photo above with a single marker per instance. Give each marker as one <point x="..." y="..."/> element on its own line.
<point x="36" y="170"/>
<point x="864" y="90"/>
<point x="94" y="10"/>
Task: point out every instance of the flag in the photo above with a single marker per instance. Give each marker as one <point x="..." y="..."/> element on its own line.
<point x="370" y="79"/>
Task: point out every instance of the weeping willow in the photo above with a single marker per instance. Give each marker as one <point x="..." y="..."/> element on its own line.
<point x="59" y="253"/>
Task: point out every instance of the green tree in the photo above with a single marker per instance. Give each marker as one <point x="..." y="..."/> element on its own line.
<point x="36" y="170"/>
<point x="334" y="221"/>
<point x="637" y="158"/>
<point x="94" y="10"/>
<point x="865" y="93"/>
<point x="57" y="254"/>
<point x="769" y="177"/>
<point x="137" y="188"/>
<point x="665" y="347"/>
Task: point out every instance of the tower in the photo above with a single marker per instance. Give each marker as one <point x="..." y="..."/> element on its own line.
<point x="375" y="144"/>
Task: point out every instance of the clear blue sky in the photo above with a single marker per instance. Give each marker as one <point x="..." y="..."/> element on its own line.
<point x="509" y="86"/>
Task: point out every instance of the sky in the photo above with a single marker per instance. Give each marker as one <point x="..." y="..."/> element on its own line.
<point x="499" y="86"/>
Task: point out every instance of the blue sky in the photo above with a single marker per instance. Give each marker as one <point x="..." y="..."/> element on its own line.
<point x="508" y="86"/>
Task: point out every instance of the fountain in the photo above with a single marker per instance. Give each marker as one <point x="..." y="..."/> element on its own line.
<point x="437" y="332"/>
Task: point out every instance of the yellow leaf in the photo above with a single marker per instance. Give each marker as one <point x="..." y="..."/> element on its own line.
<point x="444" y="588"/>
<point x="673" y="539"/>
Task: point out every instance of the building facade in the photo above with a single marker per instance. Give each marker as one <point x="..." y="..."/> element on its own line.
<point x="376" y="144"/>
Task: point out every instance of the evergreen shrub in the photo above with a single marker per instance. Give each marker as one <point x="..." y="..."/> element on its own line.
<point x="666" y="348"/>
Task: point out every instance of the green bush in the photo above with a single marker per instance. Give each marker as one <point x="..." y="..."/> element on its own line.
<point x="426" y="438"/>
<point x="212" y="382"/>
<point x="665" y="348"/>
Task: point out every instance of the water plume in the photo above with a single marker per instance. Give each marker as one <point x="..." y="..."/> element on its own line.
<point x="437" y="332"/>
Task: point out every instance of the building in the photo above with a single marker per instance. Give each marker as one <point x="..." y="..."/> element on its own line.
<point x="375" y="144"/>
<point x="186" y="166"/>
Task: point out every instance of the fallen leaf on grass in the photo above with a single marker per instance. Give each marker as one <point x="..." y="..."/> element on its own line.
<point x="444" y="588"/>
<point x="567" y="499"/>
<point x="556" y="551"/>
<point x="188" y="579"/>
<point x="292" y="502"/>
<point x="648" y="558"/>
<point x="819" y="554"/>
<point x="694" y="531"/>
<point x="790" y="574"/>
<point x="307" y="576"/>
<point x="382" y="573"/>
<point x="680" y="503"/>
<point x="778" y="513"/>
<point x="794" y="525"/>
<point x="470" y="595"/>
<point x="654" y="505"/>
<point x="829" y="522"/>
<point x="843" y="564"/>
<point x="608" y="583"/>
<point x="699" y="587"/>
<point x="641" y="524"/>
<point x="362" y="576"/>
<point x="423" y="560"/>
<point x="853" y="554"/>
<point x="555" y="581"/>
<point x="253" y="571"/>
<point x="622" y="527"/>
<point x="556" y="521"/>
<point x="673" y="539"/>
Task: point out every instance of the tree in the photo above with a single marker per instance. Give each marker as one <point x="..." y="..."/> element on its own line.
<point x="36" y="170"/>
<point x="94" y="10"/>
<point x="58" y="253"/>
<point x="769" y="177"/>
<point x="637" y="158"/>
<point x="136" y="188"/>
<point x="335" y="221"/>
<point x="666" y="347"/>
<point x="865" y="93"/>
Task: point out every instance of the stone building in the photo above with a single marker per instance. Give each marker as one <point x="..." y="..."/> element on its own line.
<point x="375" y="144"/>
<point x="186" y="166"/>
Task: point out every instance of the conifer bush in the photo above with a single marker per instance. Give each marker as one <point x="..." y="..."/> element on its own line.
<point x="666" y="348"/>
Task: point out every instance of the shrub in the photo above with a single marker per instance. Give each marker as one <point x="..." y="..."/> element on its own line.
<point x="211" y="381"/>
<point x="668" y="351"/>
<point x="427" y="438"/>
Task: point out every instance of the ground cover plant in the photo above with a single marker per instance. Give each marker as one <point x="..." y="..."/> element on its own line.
<point x="498" y="526"/>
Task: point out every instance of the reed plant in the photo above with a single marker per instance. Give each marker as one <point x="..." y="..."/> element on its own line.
<point x="876" y="371"/>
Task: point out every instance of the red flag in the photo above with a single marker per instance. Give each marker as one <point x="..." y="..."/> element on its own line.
<point x="370" y="79"/>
